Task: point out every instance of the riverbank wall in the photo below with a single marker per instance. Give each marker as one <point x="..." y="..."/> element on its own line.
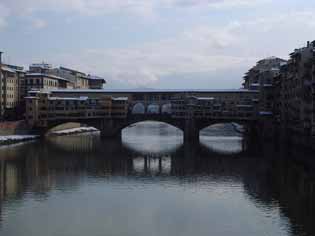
<point x="14" y="128"/>
<point x="287" y="139"/>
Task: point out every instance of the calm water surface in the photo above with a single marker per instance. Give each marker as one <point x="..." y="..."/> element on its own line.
<point x="149" y="183"/>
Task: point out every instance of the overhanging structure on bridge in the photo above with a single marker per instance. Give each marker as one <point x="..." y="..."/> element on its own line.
<point x="112" y="110"/>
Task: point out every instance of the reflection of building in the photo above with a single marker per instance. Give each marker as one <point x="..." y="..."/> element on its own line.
<point x="10" y="179"/>
<point x="151" y="165"/>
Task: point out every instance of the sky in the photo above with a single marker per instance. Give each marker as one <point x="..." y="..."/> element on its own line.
<point x="155" y="43"/>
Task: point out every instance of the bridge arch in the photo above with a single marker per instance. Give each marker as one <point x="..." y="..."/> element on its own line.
<point x="69" y="125"/>
<point x="171" y="123"/>
<point x="219" y="126"/>
<point x="160" y="137"/>
<point x="222" y="137"/>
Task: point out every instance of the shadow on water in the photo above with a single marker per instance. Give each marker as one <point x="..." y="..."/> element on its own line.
<point x="262" y="190"/>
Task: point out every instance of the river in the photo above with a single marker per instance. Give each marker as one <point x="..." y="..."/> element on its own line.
<point x="150" y="183"/>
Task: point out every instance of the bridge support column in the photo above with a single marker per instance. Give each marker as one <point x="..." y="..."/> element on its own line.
<point x="109" y="128"/>
<point x="191" y="132"/>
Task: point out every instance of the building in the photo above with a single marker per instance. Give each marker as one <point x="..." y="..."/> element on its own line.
<point x="61" y="105"/>
<point x="38" y="81"/>
<point x="42" y="107"/>
<point x="96" y="82"/>
<point x="12" y="79"/>
<point x="43" y="68"/>
<point x="217" y="106"/>
<point x="298" y="90"/>
<point x="261" y="78"/>
<point x="79" y="79"/>
<point x="16" y="83"/>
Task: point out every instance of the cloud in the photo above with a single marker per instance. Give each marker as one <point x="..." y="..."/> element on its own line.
<point x="219" y="4"/>
<point x="205" y="48"/>
<point x="4" y="13"/>
<point x="138" y="7"/>
<point x="202" y="50"/>
<point x="39" y="23"/>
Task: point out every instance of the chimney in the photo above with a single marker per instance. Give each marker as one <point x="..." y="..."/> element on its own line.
<point x="308" y="44"/>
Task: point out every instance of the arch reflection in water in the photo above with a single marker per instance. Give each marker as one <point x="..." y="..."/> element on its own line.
<point x="152" y="165"/>
<point x="152" y="137"/>
<point x="85" y="142"/>
<point x="222" y="138"/>
<point x="217" y="190"/>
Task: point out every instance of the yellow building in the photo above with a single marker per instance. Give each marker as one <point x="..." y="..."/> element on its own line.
<point x="11" y="95"/>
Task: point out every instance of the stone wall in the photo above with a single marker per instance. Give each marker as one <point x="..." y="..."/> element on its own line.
<point x="13" y="128"/>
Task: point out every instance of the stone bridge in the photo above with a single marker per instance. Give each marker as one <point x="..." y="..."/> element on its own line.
<point x="112" y="111"/>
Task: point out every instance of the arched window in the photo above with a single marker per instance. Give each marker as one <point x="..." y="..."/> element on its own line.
<point x="153" y="109"/>
<point x="167" y="108"/>
<point x="138" y="108"/>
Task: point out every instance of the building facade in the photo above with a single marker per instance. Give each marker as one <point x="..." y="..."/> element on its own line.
<point x="42" y="107"/>
<point x="77" y="105"/>
<point x="297" y="82"/>
<point x="261" y="78"/>
<point x="218" y="105"/>
<point x="287" y="90"/>
<point x="79" y="79"/>
<point x="96" y="82"/>
<point x="12" y="77"/>
<point x="39" y="81"/>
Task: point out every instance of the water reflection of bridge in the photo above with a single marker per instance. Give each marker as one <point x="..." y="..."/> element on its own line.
<point x="267" y="182"/>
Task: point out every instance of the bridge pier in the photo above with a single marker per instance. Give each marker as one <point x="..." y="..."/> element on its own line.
<point x="191" y="132"/>
<point x="109" y="128"/>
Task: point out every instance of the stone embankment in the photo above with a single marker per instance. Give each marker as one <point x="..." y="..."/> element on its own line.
<point x="73" y="131"/>
<point x="17" y="132"/>
<point x="14" y="132"/>
<point x="12" y="139"/>
<point x="14" y="128"/>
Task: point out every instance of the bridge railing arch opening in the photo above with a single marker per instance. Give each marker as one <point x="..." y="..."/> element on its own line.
<point x="138" y="109"/>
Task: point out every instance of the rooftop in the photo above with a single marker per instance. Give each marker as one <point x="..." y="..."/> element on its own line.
<point x="120" y="99"/>
<point x="41" y="65"/>
<point x="69" y="99"/>
<point x="152" y="91"/>
<point x="47" y="75"/>
<point x="71" y="70"/>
